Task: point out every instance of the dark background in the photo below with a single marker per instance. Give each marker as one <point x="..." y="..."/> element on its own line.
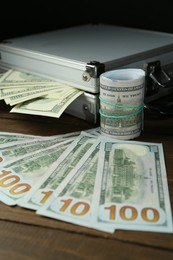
<point x="18" y="18"/>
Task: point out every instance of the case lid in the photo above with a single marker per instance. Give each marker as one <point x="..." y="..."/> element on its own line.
<point x="102" y="42"/>
<point x="75" y="55"/>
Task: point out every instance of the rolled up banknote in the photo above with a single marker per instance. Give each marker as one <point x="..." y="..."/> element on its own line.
<point x="121" y="103"/>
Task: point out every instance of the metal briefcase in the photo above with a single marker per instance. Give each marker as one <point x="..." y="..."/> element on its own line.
<point x="78" y="55"/>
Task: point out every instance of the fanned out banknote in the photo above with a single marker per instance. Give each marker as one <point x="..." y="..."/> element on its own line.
<point x="131" y="189"/>
<point x="119" y="185"/>
<point x="15" y="150"/>
<point x="71" y="200"/>
<point x="70" y="159"/>
<point x="47" y="105"/>
<point x="36" y="95"/>
<point x="87" y="179"/>
<point x="6" y="137"/>
<point x="20" y="174"/>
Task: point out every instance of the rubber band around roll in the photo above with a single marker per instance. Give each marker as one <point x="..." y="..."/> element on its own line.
<point x="140" y="109"/>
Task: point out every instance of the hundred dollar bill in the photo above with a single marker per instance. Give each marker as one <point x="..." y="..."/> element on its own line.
<point x="19" y="176"/>
<point x="59" y="171"/>
<point x="14" y="91"/>
<point x="54" y="90"/>
<point x="72" y="199"/>
<point x="19" y="78"/>
<point x="132" y="191"/>
<point x="13" y="100"/>
<point x="12" y="152"/>
<point x="7" y="137"/>
<point x="47" y="106"/>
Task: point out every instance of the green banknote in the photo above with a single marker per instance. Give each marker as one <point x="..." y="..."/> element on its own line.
<point x="132" y="191"/>
<point x="72" y="200"/>
<point x="47" y="105"/>
<point x="13" y="152"/>
<point x="7" y="93"/>
<point x="6" y="137"/>
<point x="11" y="78"/>
<point x="19" y="176"/>
<point x="69" y="160"/>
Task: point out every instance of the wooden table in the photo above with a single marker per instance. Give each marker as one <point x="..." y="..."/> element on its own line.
<point x="25" y="235"/>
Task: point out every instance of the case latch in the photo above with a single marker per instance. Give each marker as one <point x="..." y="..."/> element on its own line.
<point x="158" y="74"/>
<point x="93" y="70"/>
<point x="158" y="82"/>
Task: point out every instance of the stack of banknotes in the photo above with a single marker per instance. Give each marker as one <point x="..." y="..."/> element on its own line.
<point x="87" y="179"/>
<point x="35" y="95"/>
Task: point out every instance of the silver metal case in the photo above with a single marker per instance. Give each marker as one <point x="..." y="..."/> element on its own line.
<point x="78" y="55"/>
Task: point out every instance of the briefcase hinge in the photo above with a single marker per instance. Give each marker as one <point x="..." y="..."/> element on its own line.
<point x="93" y="70"/>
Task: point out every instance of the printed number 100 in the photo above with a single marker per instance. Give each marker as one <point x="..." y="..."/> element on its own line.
<point x="13" y="183"/>
<point x="130" y="213"/>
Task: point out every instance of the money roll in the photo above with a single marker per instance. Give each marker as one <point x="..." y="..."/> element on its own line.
<point x="122" y="102"/>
